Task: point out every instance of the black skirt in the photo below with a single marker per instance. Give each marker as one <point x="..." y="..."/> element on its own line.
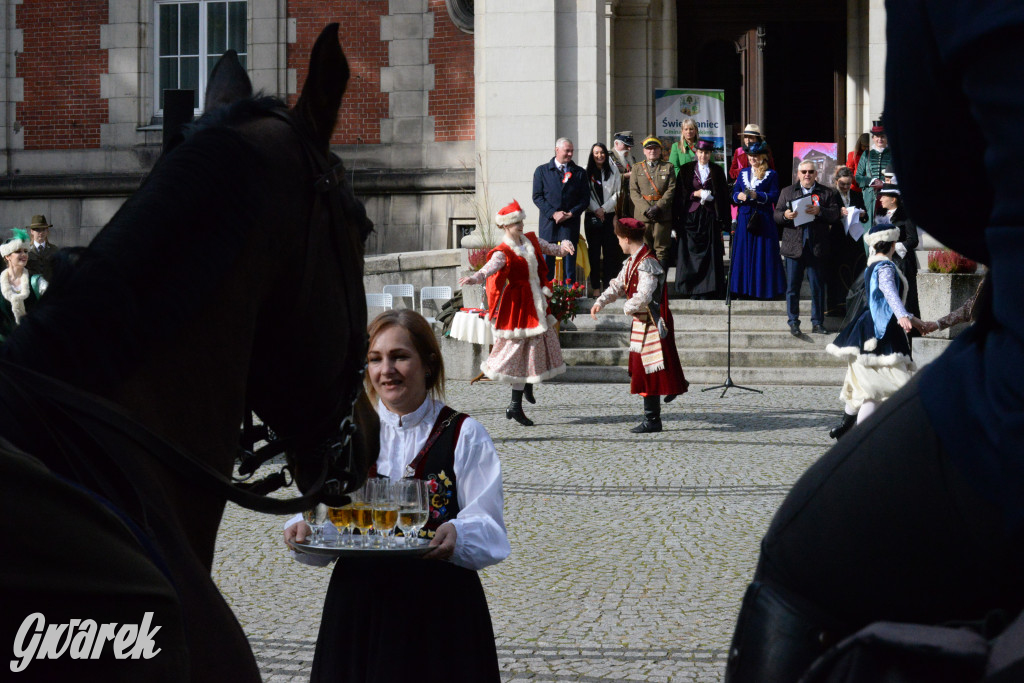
<point x="404" y="619"/>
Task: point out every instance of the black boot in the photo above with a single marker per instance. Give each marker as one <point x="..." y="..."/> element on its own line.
<point x="774" y="640"/>
<point x="843" y="427"/>
<point x="515" y="409"/>
<point x="528" y="393"/>
<point x="652" y="416"/>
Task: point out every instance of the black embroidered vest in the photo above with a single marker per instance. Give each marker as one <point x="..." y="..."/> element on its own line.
<point x="437" y="466"/>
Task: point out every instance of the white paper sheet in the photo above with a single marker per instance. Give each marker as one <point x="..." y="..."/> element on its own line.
<point x="800" y="206"/>
<point x="854" y="228"/>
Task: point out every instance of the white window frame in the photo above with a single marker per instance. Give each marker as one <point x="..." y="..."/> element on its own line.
<point x="203" y="54"/>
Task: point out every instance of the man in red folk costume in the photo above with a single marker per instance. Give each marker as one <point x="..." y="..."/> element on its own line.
<point x="526" y="349"/>
<point x="654" y="368"/>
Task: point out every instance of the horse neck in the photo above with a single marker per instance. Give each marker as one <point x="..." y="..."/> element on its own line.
<point x="191" y="392"/>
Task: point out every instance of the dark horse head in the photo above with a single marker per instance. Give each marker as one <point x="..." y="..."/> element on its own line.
<point x="231" y="278"/>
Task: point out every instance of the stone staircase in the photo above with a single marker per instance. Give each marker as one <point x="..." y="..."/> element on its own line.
<point x="763" y="350"/>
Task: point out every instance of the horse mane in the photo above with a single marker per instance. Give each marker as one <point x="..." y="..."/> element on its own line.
<point x="155" y="263"/>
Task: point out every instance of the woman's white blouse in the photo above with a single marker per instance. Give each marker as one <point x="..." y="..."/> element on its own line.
<point x="481" y="538"/>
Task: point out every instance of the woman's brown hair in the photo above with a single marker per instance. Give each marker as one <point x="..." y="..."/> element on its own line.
<point x="423" y="340"/>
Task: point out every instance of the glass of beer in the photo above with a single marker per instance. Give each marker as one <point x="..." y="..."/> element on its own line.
<point x="413" y="507"/>
<point x="362" y="513"/>
<point x="341" y="518"/>
<point x="385" y="509"/>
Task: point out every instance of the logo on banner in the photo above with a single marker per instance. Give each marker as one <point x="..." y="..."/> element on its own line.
<point x="689" y="105"/>
<point x="82" y="639"/>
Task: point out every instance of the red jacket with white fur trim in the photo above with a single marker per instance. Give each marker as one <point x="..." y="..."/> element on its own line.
<point x="517" y="292"/>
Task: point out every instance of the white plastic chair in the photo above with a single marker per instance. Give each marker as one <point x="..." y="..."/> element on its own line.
<point x="402" y="291"/>
<point x="375" y="300"/>
<point x="441" y="294"/>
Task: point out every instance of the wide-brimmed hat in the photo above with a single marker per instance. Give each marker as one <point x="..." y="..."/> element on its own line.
<point x="705" y="145"/>
<point x="510" y="214"/>
<point x="19" y="241"/>
<point x="38" y="223"/>
<point x="759" y="147"/>
<point x="651" y="141"/>
<point x="753" y="129"/>
<point x="625" y="137"/>
<point x="877" y="128"/>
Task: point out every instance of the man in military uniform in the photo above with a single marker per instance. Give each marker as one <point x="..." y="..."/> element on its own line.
<point x="651" y="186"/>
<point x="41" y="253"/>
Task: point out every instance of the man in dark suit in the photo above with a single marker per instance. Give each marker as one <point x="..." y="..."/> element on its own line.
<point x="700" y="212"/>
<point x="562" y="193"/>
<point x="40" y="254"/>
<point x="806" y="246"/>
<point x="846" y="255"/>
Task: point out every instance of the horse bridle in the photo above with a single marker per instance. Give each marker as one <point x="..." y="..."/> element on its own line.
<point x="336" y="449"/>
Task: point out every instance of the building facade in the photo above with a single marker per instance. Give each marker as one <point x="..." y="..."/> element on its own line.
<point x="451" y="104"/>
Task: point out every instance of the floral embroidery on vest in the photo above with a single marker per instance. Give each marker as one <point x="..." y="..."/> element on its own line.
<point x="440" y="486"/>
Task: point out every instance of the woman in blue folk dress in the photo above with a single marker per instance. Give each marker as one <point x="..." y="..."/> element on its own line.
<point x="756" y="267"/>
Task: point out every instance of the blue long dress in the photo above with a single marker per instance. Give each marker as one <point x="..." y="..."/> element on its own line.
<point x="756" y="268"/>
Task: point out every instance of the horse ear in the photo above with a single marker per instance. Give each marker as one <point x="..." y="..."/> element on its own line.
<point x="228" y="82"/>
<point x="321" y="94"/>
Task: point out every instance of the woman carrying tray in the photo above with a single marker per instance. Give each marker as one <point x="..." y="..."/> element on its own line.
<point x="376" y="603"/>
<point x="654" y="368"/>
<point x="526" y="349"/>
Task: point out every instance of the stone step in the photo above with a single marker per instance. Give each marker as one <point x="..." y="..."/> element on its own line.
<point x="704" y="322"/>
<point x="754" y="378"/>
<point x="706" y="338"/>
<point x="705" y="357"/>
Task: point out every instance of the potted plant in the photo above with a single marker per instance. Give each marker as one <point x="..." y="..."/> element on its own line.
<point x="564" y="295"/>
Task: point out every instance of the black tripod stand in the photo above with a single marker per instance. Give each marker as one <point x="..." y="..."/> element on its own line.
<point x="729" y="384"/>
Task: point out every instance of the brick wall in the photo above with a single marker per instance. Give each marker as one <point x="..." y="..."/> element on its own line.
<point x="451" y="100"/>
<point x="364" y="104"/>
<point x="61" y="67"/>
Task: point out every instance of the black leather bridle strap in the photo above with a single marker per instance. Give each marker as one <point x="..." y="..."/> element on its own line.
<point x="74" y="401"/>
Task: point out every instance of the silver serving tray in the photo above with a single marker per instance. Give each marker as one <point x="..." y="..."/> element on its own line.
<point x="420" y="547"/>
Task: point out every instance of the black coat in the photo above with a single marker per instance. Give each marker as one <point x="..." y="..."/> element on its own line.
<point x="792" y="236"/>
<point x="684" y="190"/>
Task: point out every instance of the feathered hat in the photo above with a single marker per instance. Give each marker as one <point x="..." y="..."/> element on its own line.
<point x="510" y="215"/>
<point x="19" y="241"/>
<point x="883" y="231"/>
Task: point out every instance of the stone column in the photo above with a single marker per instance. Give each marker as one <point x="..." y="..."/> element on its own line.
<point x="539" y="76"/>
<point x="858" y="114"/>
<point x="876" y="48"/>
<point x="644" y="35"/>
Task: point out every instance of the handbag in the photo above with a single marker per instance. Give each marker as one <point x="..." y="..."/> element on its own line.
<point x="755" y="224"/>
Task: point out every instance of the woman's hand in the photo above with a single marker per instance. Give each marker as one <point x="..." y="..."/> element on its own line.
<point x="905" y="323"/>
<point x="600" y="214"/>
<point x="844" y="212"/>
<point x="594" y="309"/>
<point x="442" y="545"/>
<point x="925" y="326"/>
<point x="296" y="533"/>
<point x="466" y="281"/>
<point x="742" y="196"/>
<point x="696" y="193"/>
<point x="567" y="248"/>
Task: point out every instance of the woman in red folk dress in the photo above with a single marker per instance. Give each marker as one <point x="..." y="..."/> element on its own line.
<point x="654" y="369"/>
<point x="526" y="349"/>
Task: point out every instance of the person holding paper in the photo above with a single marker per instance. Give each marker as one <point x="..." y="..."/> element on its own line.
<point x="804" y="213"/>
<point x="846" y="251"/>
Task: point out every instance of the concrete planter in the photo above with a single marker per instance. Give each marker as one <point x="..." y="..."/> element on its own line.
<point x="940" y="293"/>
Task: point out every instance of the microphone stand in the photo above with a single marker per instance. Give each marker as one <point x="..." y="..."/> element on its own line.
<point x="729" y="384"/>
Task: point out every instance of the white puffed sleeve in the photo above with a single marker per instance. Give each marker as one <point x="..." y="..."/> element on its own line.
<point x="480" y="525"/>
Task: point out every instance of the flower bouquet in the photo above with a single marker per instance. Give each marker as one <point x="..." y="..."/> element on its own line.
<point x="564" y="295"/>
<point x="948" y="261"/>
<point x="477" y="258"/>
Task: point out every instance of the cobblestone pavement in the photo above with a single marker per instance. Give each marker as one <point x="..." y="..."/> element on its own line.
<point x="629" y="553"/>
